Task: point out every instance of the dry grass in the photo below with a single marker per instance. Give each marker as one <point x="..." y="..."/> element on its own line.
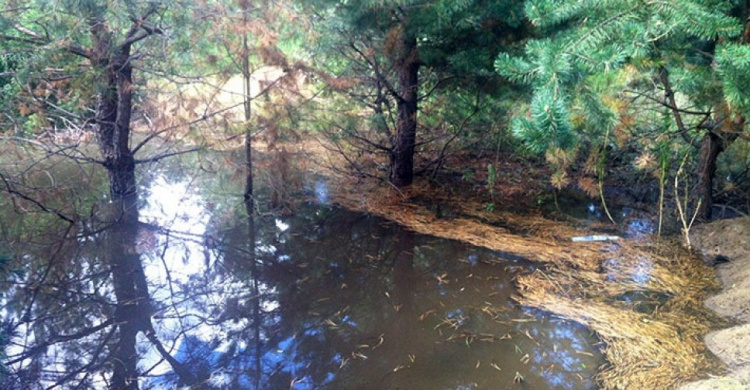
<point x="658" y="349"/>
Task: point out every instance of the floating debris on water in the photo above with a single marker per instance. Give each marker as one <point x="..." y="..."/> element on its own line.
<point x="594" y="238"/>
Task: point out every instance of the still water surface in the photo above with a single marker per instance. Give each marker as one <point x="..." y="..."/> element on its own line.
<point x="187" y="291"/>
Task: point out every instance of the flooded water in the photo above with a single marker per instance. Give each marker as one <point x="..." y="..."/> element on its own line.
<point x="186" y="290"/>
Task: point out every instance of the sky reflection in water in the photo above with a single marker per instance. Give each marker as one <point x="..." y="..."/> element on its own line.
<point x="323" y="299"/>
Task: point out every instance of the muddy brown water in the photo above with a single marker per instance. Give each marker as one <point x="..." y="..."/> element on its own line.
<point x="195" y="294"/>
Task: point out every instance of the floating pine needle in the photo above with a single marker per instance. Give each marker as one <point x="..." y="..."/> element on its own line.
<point x="426" y="314"/>
<point x="359" y="355"/>
<point x="488" y="338"/>
<point x="342" y="311"/>
<point x="400" y="367"/>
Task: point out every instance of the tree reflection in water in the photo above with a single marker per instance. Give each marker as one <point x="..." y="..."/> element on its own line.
<point x="184" y="292"/>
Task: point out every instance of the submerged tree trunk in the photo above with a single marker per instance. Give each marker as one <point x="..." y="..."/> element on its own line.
<point x="404" y="139"/>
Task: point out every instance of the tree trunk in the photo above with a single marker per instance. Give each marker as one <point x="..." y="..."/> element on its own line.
<point x="731" y="125"/>
<point x="402" y="154"/>
<point x="248" y="195"/>
<point x="113" y="109"/>
<point x="710" y="149"/>
<point x="716" y="141"/>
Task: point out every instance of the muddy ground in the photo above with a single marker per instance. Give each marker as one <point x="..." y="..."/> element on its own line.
<point x="726" y="243"/>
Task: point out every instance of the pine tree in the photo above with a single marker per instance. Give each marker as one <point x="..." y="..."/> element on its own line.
<point x="390" y="46"/>
<point x="697" y="49"/>
<point x="107" y="40"/>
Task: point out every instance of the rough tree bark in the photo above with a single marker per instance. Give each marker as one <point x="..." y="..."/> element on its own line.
<point x="404" y="138"/>
<point x="113" y="109"/>
<point x="729" y="124"/>
<point x="246" y="78"/>
<point x="724" y="129"/>
<point x="709" y="152"/>
<point x="727" y="130"/>
<point x="111" y="64"/>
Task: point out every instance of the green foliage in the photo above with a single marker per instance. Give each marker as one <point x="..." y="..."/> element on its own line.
<point x="587" y="39"/>
<point x="461" y="35"/>
<point x="544" y="64"/>
<point x="733" y="66"/>
<point x="549" y="125"/>
<point x="8" y="63"/>
<point x="44" y="44"/>
<point x="8" y="87"/>
<point x="359" y="46"/>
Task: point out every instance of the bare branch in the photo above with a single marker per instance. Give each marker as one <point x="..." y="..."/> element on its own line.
<point x="41" y="42"/>
<point x="204" y="118"/>
<point x="59" y="339"/>
<point x="666" y="104"/>
<point x="94" y="363"/>
<point x="166" y="155"/>
<point x="201" y="119"/>
<point x="374" y="65"/>
<point x="434" y="87"/>
<point x="669" y="95"/>
<point x="11" y="190"/>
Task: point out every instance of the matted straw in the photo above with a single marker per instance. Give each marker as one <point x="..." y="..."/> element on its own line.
<point x="582" y="282"/>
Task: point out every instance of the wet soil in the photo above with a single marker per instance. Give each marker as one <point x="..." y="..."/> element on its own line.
<point x="726" y="244"/>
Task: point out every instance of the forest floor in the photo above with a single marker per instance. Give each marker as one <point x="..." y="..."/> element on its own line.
<point x="730" y="239"/>
<point x="644" y="298"/>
